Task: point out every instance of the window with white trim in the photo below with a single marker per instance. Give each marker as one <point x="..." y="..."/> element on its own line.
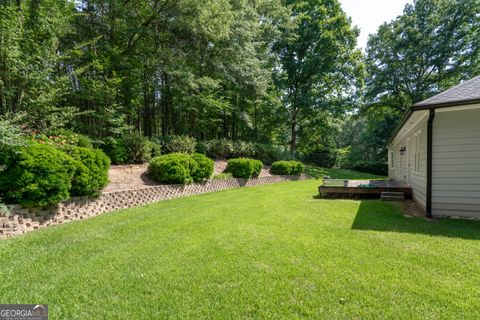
<point x="392" y="162"/>
<point x="418" y="153"/>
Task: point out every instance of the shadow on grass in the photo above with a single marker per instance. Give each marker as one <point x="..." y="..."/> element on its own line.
<point x="378" y="216"/>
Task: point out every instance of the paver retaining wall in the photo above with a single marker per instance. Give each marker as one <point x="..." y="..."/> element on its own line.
<point x="22" y="220"/>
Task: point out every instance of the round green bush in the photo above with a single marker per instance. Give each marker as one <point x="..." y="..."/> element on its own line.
<point x="115" y="149"/>
<point x="91" y="172"/>
<point x="287" y="168"/>
<point x="204" y="169"/>
<point x="172" y="168"/>
<point x="280" y="167"/>
<point x="244" y="167"/>
<point x="297" y="168"/>
<point x="36" y="176"/>
<point x="257" y="167"/>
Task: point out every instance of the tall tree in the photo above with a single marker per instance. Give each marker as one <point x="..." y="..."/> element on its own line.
<point x="318" y="60"/>
<point x="32" y="60"/>
<point x="432" y="46"/>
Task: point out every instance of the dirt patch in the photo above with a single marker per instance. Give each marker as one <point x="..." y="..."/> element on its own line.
<point x="134" y="176"/>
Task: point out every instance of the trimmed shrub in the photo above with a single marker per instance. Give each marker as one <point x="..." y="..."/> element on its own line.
<point x="115" y="149"/>
<point x="178" y="144"/>
<point x="139" y="149"/>
<point x="91" y="172"/>
<point x="287" y="168"/>
<point x="36" y="175"/>
<point x="257" y="167"/>
<point x="204" y="169"/>
<point x="172" y="168"/>
<point x="244" y="167"/>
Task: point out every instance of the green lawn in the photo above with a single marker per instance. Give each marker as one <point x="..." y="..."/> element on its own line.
<point x="319" y="172"/>
<point x="270" y="252"/>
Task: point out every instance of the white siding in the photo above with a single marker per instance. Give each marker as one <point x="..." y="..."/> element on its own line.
<point x="456" y="163"/>
<point x="403" y="169"/>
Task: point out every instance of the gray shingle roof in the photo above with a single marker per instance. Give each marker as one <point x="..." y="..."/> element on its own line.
<point x="464" y="92"/>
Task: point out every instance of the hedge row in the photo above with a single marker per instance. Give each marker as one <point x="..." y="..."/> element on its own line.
<point x="287" y="168"/>
<point x="39" y="175"/>
<point x="244" y="167"/>
<point x="180" y="168"/>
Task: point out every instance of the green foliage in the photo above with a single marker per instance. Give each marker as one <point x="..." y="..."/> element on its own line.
<point x="173" y="168"/>
<point x="36" y="175"/>
<point x="178" y="144"/>
<point x="201" y="147"/>
<point x="156" y="148"/>
<point x="268" y="154"/>
<point x="91" y="171"/>
<point x="33" y="50"/>
<point x="115" y="149"/>
<point x="180" y="168"/>
<point x="378" y="168"/>
<point x="226" y="149"/>
<point x="287" y="168"/>
<point x="4" y="210"/>
<point x="61" y="138"/>
<point x="244" y="167"/>
<point x="204" y="168"/>
<point x="220" y="148"/>
<point x="322" y="156"/>
<point x="319" y="62"/>
<point x="10" y="135"/>
<point x="139" y="148"/>
<point x="406" y="44"/>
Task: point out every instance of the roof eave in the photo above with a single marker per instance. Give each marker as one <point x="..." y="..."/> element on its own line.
<point x="421" y="106"/>
<point x="426" y="106"/>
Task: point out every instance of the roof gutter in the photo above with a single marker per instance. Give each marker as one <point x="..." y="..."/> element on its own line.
<point x="420" y="106"/>
<point x="431" y="118"/>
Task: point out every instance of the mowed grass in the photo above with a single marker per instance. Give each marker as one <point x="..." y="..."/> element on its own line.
<point x="334" y="173"/>
<point x="270" y="252"/>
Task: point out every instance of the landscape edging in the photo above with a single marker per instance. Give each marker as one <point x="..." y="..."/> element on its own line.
<point x="23" y="220"/>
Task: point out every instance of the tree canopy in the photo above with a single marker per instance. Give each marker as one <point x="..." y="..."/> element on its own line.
<point x="283" y="72"/>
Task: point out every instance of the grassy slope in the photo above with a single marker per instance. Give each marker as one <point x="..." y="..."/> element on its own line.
<point x="266" y="252"/>
<point x="319" y="172"/>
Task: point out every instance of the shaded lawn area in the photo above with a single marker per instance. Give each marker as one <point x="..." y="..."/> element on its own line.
<point x="319" y="172"/>
<point x="270" y="252"/>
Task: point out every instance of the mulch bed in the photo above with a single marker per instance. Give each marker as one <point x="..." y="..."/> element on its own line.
<point x="134" y="176"/>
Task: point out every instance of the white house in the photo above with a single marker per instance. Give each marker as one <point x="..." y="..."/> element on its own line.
<point x="436" y="150"/>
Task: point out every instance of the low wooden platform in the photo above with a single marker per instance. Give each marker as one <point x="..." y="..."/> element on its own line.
<point x="343" y="188"/>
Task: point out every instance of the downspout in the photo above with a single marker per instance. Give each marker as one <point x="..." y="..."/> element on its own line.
<point x="429" y="162"/>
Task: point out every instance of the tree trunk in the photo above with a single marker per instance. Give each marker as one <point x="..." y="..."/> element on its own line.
<point x="293" y="142"/>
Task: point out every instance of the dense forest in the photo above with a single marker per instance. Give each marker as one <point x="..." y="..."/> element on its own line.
<point x="285" y="73"/>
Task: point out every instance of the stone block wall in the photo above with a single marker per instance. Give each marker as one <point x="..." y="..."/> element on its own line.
<point x="23" y="220"/>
